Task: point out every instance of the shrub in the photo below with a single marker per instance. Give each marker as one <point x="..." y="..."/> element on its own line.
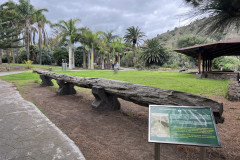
<point x="79" y="56"/>
<point x="5" y="59"/>
<point x="59" y="55"/>
<point x="46" y="59"/>
<point x="28" y="63"/>
<point x="22" y="55"/>
<point x="127" y="60"/>
<point x="227" y="63"/>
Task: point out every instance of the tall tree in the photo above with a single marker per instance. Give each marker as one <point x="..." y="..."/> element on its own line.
<point x="222" y="13"/>
<point x="134" y="35"/>
<point x="92" y="40"/>
<point x="9" y="31"/>
<point x="27" y="12"/>
<point x="68" y="32"/>
<point x="41" y="20"/>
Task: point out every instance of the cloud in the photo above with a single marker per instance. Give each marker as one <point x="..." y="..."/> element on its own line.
<point x="152" y="16"/>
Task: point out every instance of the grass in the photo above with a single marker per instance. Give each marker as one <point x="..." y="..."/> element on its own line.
<point x="162" y="79"/>
<point x="36" y="66"/>
<point x="22" y="79"/>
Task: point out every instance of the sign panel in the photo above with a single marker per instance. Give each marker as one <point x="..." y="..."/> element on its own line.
<point x="182" y="125"/>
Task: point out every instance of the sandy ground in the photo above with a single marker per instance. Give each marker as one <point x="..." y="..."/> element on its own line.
<point x="123" y="135"/>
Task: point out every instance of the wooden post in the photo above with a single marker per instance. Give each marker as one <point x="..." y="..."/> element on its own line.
<point x="207" y="65"/>
<point x="199" y="62"/>
<point x="203" y="63"/>
<point x="157" y="151"/>
<point x="211" y="65"/>
<point x="202" y="153"/>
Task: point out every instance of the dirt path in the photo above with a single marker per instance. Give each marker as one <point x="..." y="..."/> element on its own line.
<point x="122" y="135"/>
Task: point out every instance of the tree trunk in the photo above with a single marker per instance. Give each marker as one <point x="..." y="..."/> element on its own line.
<point x="8" y="56"/>
<point x="89" y="59"/>
<point x="92" y="58"/>
<point x="84" y="60"/>
<point x="73" y="58"/>
<point x="0" y="56"/>
<point x="70" y="55"/>
<point x="102" y="62"/>
<point x="134" y="49"/>
<point x="13" y="54"/>
<point x="28" y="38"/>
<point x="40" y="43"/>
<point x="17" y="55"/>
<point x="140" y="94"/>
<point x="119" y="61"/>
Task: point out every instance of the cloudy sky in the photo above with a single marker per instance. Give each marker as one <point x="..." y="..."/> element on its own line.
<point x="152" y="16"/>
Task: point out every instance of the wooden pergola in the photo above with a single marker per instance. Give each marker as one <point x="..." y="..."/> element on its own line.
<point x="207" y="52"/>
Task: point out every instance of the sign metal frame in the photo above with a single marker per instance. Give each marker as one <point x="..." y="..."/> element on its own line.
<point x="183" y="143"/>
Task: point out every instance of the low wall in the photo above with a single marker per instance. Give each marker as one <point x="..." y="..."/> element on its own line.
<point x="221" y="75"/>
<point x="234" y="91"/>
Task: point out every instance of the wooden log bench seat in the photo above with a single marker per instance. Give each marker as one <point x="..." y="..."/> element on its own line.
<point x="107" y="91"/>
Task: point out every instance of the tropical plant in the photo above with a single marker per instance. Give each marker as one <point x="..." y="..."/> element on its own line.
<point x="226" y="63"/>
<point x="222" y="13"/>
<point x="41" y="20"/>
<point x="28" y="63"/>
<point x="154" y="53"/>
<point x="134" y="36"/>
<point x="68" y="32"/>
<point x="59" y="55"/>
<point x="27" y="12"/>
<point x="92" y="41"/>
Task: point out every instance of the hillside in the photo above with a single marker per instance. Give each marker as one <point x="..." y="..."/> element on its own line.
<point x="170" y="38"/>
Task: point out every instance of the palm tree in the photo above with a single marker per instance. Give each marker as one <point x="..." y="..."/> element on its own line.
<point x="92" y="40"/>
<point x="109" y="36"/>
<point x="0" y="56"/>
<point x="154" y="53"/>
<point x="134" y="36"/>
<point x="82" y="38"/>
<point x="117" y="47"/>
<point x="41" y="20"/>
<point x="27" y="11"/>
<point x="222" y="13"/>
<point x="68" y="32"/>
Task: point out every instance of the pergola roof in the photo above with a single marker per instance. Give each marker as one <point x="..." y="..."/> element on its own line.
<point x="213" y="50"/>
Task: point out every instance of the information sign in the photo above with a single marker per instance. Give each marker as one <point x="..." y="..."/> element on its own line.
<point x="182" y="125"/>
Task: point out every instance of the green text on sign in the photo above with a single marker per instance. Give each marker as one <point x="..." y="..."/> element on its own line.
<point x="182" y="125"/>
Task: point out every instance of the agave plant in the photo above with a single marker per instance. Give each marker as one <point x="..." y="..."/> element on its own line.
<point x="222" y="13"/>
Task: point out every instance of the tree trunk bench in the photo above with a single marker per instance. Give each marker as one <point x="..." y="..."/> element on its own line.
<point x="107" y="91"/>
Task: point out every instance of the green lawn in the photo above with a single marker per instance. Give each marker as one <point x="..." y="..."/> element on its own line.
<point x="36" y="66"/>
<point x="163" y="79"/>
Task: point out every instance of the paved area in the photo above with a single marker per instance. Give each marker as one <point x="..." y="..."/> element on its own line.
<point x="27" y="134"/>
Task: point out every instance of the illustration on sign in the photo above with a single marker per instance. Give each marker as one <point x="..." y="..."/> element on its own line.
<point x="182" y="125"/>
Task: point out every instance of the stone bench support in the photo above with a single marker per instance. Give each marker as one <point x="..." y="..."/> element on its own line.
<point x="46" y="81"/>
<point x="104" y="101"/>
<point x="65" y="88"/>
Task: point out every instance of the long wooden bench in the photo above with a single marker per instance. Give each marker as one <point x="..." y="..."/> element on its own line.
<point x="107" y="91"/>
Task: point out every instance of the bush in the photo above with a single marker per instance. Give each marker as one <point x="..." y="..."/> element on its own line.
<point x="5" y="59"/>
<point x="227" y="63"/>
<point x="79" y="56"/>
<point x="46" y="59"/>
<point x="22" y="55"/>
<point x="127" y="60"/>
<point x="59" y="55"/>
